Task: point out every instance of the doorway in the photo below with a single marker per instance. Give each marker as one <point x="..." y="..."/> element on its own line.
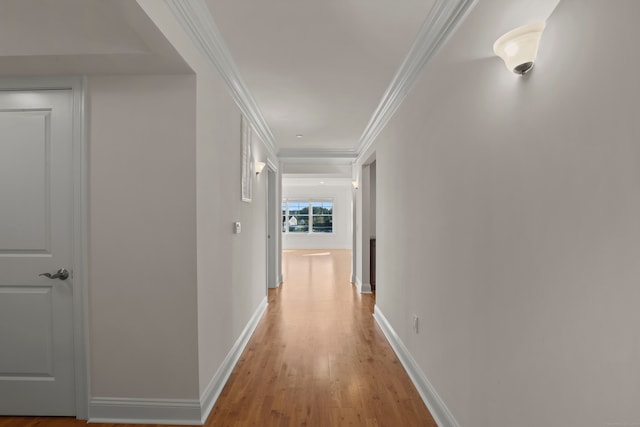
<point x="273" y="257"/>
<point x="372" y="225"/>
<point x="42" y="365"/>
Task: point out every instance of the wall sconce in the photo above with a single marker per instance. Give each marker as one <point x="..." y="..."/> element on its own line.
<point x="259" y="167"/>
<point x="355" y="184"/>
<point x="519" y="47"/>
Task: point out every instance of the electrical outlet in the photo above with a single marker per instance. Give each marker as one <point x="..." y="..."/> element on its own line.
<point x="237" y="227"/>
<point x="415" y="323"/>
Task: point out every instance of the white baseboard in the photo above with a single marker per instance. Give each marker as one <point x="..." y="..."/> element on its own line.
<point x="278" y="283"/>
<point x="177" y="411"/>
<point x="438" y="409"/>
<point x="144" y="411"/>
<point x="363" y="288"/>
<point x="215" y="386"/>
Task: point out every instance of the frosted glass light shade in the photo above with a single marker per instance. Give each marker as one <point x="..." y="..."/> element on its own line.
<point x="259" y="166"/>
<point x="519" y="47"/>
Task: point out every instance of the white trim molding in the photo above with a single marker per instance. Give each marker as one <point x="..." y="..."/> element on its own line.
<point x="443" y="19"/>
<point x="362" y="288"/>
<point x="145" y="411"/>
<point x="81" y="245"/>
<point x="329" y="156"/>
<point x="271" y="165"/>
<point x="175" y="411"/>
<point x="439" y="411"/>
<point x="194" y="17"/>
<point x="217" y="383"/>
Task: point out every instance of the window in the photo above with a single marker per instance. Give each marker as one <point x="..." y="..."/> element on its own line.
<point x="298" y="220"/>
<point x="307" y="216"/>
<point x="322" y="217"/>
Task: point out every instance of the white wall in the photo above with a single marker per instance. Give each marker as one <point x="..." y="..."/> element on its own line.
<point x="341" y="236"/>
<point x="171" y="287"/>
<point x="142" y="231"/>
<point x="231" y="269"/>
<point x="518" y="238"/>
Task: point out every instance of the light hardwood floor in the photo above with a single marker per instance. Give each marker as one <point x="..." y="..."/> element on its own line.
<point x="317" y="358"/>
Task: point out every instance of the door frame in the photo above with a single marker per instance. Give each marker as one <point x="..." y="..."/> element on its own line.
<point x="77" y="88"/>
<point x="272" y="208"/>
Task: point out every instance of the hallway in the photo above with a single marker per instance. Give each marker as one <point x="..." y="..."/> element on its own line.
<point x="316" y="359"/>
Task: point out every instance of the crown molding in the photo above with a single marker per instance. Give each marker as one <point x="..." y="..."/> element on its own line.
<point x="194" y="17"/>
<point x="306" y="180"/>
<point x="442" y="21"/>
<point x="332" y="156"/>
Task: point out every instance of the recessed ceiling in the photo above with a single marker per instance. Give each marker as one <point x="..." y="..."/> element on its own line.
<point x="318" y="68"/>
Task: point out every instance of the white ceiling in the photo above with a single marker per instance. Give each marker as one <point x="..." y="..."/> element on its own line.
<point x="318" y="68"/>
<point x="45" y="37"/>
<point x="311" y="180"/>
<point x="322" y="68"/>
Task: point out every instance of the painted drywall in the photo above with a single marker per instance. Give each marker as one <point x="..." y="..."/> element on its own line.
<point x="341" y="236"/>
<point x="231" y="268"/>
<point x="518" y="238"/>
<point x="142" y="237"/>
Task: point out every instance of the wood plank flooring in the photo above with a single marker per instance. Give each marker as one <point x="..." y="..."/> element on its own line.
<point x="317" y="358"/>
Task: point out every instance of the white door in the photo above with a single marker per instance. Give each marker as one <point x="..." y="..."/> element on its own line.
<point x="36" y="225"/>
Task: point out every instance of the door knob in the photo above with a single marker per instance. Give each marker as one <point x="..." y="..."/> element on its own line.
<point x="61" y="274"/>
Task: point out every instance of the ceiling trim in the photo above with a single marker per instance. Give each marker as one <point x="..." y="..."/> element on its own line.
<point x="335" y="156"/>
<point x="194" y="17"/>
<point x="442" y="21"/>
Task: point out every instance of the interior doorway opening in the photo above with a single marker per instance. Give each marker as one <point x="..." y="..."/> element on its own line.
<point x="273" y="257"/>
<point x="365" y="247"/>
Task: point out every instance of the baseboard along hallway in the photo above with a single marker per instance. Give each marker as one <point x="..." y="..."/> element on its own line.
<point x="317" y="358"/>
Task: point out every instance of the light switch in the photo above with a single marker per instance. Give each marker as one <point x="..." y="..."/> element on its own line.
<point x="237" y="227"/>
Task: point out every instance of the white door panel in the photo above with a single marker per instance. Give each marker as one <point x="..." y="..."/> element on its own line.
<point x="36" y="201"/>
<point x="23" y="226"/>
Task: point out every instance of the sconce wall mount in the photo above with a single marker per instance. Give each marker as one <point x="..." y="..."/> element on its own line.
<point x="259" y="166"/>
<point x="519" y="47"/>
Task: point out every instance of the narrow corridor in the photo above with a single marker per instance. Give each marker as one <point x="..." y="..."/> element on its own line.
<point x="317" y="358"/>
